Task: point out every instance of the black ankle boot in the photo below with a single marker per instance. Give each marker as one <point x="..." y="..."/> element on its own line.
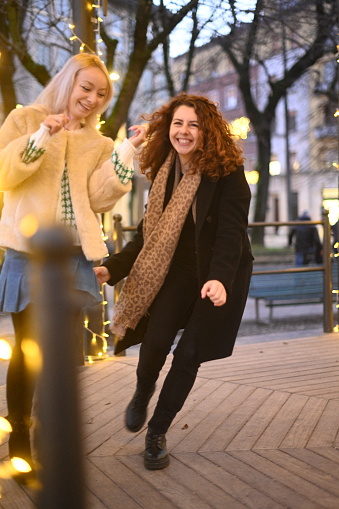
<point x="19" y="446"/>
<point x="155" y="456"/>
<point x="136" y="412"/>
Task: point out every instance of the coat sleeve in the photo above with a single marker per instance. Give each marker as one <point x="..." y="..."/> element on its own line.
<point x="231" y="244"/>
<point x="13" y="142"/>
<point x="120" y="264"/>
<point x="104" y="186"/>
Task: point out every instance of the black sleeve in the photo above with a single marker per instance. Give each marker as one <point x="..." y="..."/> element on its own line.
<point x="120" y="264"/>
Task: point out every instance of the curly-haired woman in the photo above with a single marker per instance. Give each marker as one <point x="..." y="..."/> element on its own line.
<point x="189" y="264"/>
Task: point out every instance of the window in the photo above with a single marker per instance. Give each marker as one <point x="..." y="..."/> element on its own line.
<point x="275" y="166"/>
<point x="295" y="165"/>
<point x="214" y="96"/>
<point x="274" y="124"/>
<point x="292" y="121"/>
<point x="231" y="97"/>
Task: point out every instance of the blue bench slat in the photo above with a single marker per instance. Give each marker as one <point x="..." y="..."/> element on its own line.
<point x="283" y="288"/>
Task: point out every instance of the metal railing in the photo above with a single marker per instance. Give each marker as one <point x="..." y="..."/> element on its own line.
<point x="325" y="267"/>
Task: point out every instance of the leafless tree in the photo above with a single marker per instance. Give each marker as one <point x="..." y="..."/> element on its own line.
<point x="24" y="23"/>
<point x="308" y="31"/>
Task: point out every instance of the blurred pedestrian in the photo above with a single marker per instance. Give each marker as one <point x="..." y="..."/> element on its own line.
<point x="56" y="166"/>
<point x="335" y="237"/>
<point x="188" y="266"/>
<point x="308" y="248"/>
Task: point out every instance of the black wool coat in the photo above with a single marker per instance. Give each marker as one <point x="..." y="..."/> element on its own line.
<point x="223" y="253"/>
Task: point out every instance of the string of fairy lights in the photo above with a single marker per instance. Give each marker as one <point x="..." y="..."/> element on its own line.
<point x="96" y="20"/>
<point x="336" y="165"/>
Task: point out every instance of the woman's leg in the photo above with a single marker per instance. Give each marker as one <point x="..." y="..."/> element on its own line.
<point x="20" y="380"/>
<point x="179" y="380"/>
<point x="177" y="386"/>
<point x="20" y="387"/>
<point x="169" y="312"/>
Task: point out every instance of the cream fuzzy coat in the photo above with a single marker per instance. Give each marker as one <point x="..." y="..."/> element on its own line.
<point x="34" y="188"/>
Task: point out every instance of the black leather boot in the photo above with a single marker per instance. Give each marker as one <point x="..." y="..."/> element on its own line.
<point x="19" y="446"/>
<point x="155" y="456"/>
<point x="136" y="412"/>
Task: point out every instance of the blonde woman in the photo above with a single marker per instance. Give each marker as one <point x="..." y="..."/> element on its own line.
<point x="55" y="165"/>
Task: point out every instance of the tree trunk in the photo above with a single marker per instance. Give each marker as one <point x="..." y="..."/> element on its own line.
<point x="6" y="83"/>
<point x="264" y="155"/>
<point x="7" y="88"/>
<point x="120" y="111"/>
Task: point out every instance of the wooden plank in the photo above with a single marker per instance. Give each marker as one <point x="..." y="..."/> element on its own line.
<point x="176" y="493"/>
<point x="106" y="490"/>
<point x="264" y="423"/>
<point x="226" y="433"/>
<point x="283" y="496"/>
<point x="139" y="491"/>
<point x="325" y="488"/>
<point x="317" y="461"/>
<point x="278" y="377"/>
<point x="215" y="468"/>
<point x="308" y="383"/>
<point x="326" y="431"/>
<point x="14" y="496"/>
<point x="270" y="369"/>
<point x="303" y="427"/>
<point x="200" y="422"/>
<point x="300" y="493"/>
<point x="327" y="452"/>
<point x="281" y="422"/>
<point x="205" y="489"/>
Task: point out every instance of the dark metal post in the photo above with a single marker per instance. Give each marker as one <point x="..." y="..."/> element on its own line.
<point x="327" y="260"/>
<point x="59" y="434"/>
<point x="336" y="250"/>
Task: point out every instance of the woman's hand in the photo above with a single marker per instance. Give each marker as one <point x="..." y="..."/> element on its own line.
<point x="56" y="122"/>
<point x="139" y="135"/>
<point x="215" y="291"/>
<point x="102" y="274"/>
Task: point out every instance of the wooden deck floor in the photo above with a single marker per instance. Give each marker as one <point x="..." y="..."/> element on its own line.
<point x="260" y="430"/>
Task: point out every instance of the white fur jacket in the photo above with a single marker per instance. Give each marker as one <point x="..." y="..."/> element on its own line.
<point x="34" y="188"/>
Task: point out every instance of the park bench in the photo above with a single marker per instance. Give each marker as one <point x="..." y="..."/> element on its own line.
<point x="289" y="288"/>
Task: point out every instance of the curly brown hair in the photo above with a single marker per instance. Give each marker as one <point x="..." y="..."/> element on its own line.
<point x="218" y="153"/>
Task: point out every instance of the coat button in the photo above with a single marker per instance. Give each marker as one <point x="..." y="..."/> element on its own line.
<point x="209" y="219"/>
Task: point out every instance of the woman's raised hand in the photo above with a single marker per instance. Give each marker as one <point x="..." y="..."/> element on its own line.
<point x="56" y="122"/>
<point x="139" y="135"/>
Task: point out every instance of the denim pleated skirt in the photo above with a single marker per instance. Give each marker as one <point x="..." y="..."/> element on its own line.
<point x="15" y="292"/>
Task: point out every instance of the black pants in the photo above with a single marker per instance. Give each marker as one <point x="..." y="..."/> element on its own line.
<point x="173" y="309"/>
<point x="21" y="378"/>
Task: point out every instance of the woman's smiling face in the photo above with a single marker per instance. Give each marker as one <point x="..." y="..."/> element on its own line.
<point x="184" y="133"/>
<point x="88" y="93"/>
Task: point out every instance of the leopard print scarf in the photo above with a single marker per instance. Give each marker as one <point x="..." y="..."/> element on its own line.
<point x="162" y="229"/>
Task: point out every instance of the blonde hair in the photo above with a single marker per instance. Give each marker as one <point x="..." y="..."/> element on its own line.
<point x="55" y="95"/>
